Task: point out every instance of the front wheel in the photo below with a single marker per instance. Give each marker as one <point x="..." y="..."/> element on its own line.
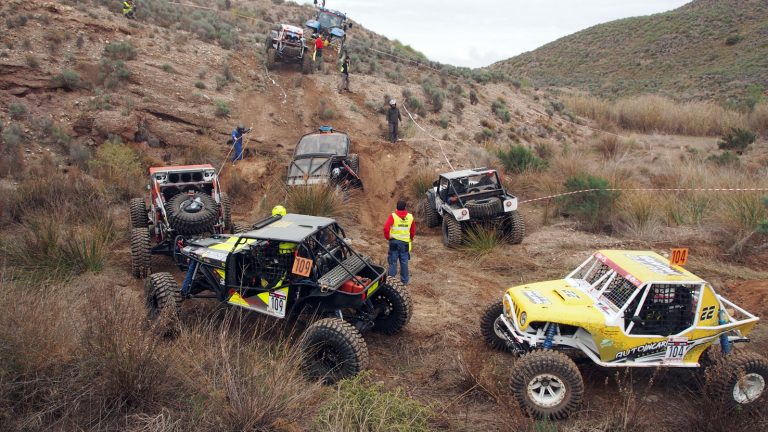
<point x="738" y="379"/>
<point x="547" y="384"/>
<point x="139" y="217"/>
<point x="271" y="53"/>
<point x="489" y="326"/>
<point x="514" y="227"/>
<point x="333" y="350"/>
<point x="431" y="217"/>
<point x="396" y="306"/>
<point x="163" y="300"/>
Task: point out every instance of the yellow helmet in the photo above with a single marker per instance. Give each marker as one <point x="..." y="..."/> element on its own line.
<point x="279" y="210"/>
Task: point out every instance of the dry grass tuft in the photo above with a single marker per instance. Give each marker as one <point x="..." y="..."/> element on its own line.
<point x="653" y="113"/>
<point x="641" y="214"/>
<point x="320" y="200"/>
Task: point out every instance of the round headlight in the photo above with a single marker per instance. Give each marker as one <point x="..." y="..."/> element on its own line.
<point x="507" y="310"/>
<point x="464" y="212"/>
<point x="523" y="318"/>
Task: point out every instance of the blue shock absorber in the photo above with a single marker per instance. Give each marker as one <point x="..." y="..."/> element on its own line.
<point x="188" y="278"/>
<point x="725" y="344"/>
<point x="550" y="334"/>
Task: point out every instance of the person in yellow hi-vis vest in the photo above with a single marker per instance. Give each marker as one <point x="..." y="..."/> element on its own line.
<point x="129" y="9"/>
<point x="400" y="230"/>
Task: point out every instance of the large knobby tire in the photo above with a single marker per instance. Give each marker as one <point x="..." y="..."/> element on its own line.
<point x="226" y="208"/>
<point x="395" y="300"/>
<point x="431" y="218"/>
<point x="486" y="208"/>
<point x="514" y="227"/>
<point x="239" y="227"/>
<point x="163" y="299"/>
<point x="547" y="384"/>
<point x="333" y="350"/>
<point x="353" y="160"/>
<point x="738" y="379"/>
<point x="186" y="219"/>
<point x="307" y="65"/>
<point x="271" y="53"/>
<point x="141" y="254"/>
<point x="488" y="326"/>
<point x="139" y="217"/>
<point x="452" y="234"/>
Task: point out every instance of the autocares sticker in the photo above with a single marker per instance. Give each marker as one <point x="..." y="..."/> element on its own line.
<point x="535" y="297"/>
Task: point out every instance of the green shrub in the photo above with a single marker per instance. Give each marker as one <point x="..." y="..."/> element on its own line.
<point x="435" y="95"/>
<point x="119" y="166"/>
<point x="67" y="79"/>
<point x="32" y="61"/>
<point x="325" y="112"/>
<point x="119" y="51"/>
<point x="726" y="158"/>
<point x="518" y="159"/>
<point x="222" y="109"/>
<point x="13" y="135"/>
<point x="422" y="182"/>
<point x="733" y="40"/>
<point x="362" y="405"/>
<point x="17" y="110"/>
<point x="113" y="72"/>
<point x="594" y="208"/>
<point x="168" y="68"/>
<point x="500" y="110"/>
<point x="200" y="85"/>
<point x="737" y="140"/>
<point x="763" y="226"/>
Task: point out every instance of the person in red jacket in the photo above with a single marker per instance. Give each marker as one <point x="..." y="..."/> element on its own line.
<point x="399" y="230"/>
<point x="319" y="45"/>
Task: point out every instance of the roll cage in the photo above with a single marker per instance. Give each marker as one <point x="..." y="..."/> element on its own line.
<point x="451" y="190"/>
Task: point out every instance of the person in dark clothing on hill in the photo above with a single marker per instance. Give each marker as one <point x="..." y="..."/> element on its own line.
<point x="399" y="230"/>
<point x="393" y="118"/>
<point x="344" y="75"/>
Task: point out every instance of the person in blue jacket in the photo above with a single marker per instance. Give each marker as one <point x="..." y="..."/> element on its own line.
<point x="237" y="141"/>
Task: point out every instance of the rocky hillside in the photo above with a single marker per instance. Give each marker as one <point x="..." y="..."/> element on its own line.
<point x="705" y="49"/>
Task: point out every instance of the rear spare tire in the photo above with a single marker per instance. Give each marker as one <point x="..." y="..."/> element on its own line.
<point x="141" y="255"/>
<point x="486" y="208"/>
<point x="395" y="302"/>
<point x="354" y="162"/>
<point x="192" y="214"/>
<point x="333" y="350"/>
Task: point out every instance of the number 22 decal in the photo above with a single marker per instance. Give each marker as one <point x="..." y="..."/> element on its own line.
<point x="707" y="313"/>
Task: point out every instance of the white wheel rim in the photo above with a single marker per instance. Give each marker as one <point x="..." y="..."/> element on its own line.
<point x="749" y="388"/>
<point x="546" y="390"/>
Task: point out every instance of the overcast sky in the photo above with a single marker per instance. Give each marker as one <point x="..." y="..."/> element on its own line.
<point x="477" y="33"/>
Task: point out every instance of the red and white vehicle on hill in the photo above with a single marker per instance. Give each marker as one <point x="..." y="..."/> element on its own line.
<point x="185" y="201"/>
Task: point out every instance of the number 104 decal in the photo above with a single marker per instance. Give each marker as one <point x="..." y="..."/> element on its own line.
<point x="676" y="348"/>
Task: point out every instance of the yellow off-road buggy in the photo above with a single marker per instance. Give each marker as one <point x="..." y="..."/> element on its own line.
<point x="622" y="309"/>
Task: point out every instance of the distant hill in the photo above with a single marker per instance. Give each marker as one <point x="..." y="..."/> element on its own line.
<point x="707" y="49"/>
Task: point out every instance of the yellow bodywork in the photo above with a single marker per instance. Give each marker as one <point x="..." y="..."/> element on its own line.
<point x="571" y="304"/>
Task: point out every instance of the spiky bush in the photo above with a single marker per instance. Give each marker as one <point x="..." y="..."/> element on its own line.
<point x="320" y="200"/>
<point x="737" y="140"/>
<point x="360" y="404"/>
<point x="480" y="240"/>
<point x="518" y="159"/>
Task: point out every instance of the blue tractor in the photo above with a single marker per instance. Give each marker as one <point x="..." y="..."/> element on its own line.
<point x="334" y="24"/>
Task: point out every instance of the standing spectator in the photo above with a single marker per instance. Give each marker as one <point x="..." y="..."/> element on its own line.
<point x="344" y="74"/>
<point x="400" y="229"/>
<point x="237" y="142"/>
<point x="129" y="9"/>
<point x="319" y="45"/>
<point x="393" y="118"/>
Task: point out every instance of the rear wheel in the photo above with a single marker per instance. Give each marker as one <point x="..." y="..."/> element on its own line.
<point x="431" y="218"/>
<point x="738" y="379"/>
<point x="395" y="302"/>
<point x="514" y="227"/>
<point x="163" y="299"/>
<point x="452" y="233"/>
<point x="139" y="213"/>
<point x="271" y="53"/>
<point x="547" y="384"/>
<point x="333" y="350"/>
<point x="489" y="326"/>
<point x="141" y="255"/>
